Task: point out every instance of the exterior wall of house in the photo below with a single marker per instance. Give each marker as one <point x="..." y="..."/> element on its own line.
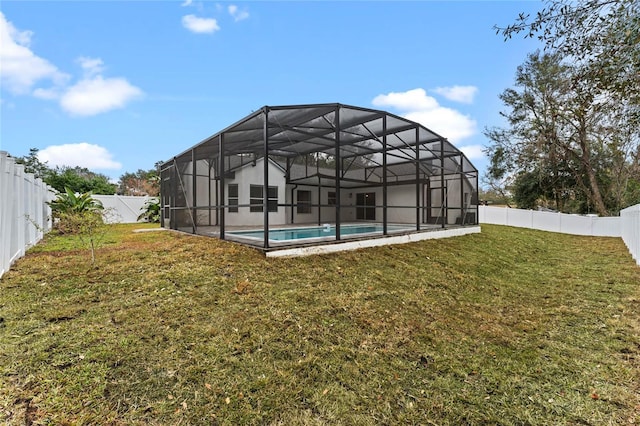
<point x="327" y="214"/>
<point x="455" y="197"/>
<point x="206" y="194"/>
<point x="302" y="218"/>
<point x="401" y="203"/>
<point x="254" y="175"/>
<point x="401" y="199"/>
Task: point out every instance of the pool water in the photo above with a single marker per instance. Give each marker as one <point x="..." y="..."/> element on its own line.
<point x="317" y="232"/>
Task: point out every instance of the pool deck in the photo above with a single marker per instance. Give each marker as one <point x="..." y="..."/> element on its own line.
<point x="322" y="245"/>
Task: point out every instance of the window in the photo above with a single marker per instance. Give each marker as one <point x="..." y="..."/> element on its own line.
<point x="365" y="208"/>
<point x="256" y="198"/>
<point x="272" y="202"/>
<point x="304" y="201"/>
<point x="331" y="200"/>
<point x="232" y="197"/>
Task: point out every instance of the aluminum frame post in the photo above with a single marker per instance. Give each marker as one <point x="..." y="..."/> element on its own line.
<point x="265" y="195"/>
<point x="221" y="191"/>
<point x="384" y="175"/>
<point x="443" y="203"/>
<point x="417" y="179"/>
<point x="338" y="172"/>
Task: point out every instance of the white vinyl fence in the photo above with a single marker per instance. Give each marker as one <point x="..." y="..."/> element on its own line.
<point x="550" y="221"/>
<point x="630" y="227"/>
<point x="122" y="208"/>
<point x="24" y="214"/>
<point x="626" y="226"/>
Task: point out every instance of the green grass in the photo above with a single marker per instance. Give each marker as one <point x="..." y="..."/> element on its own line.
<point x="509" y="326"/>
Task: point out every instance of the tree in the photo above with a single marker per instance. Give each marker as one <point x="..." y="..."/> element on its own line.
<point x="142" y="182"/>
<point x="32" y="164"/>
<point x="600" y="37"/>
<point x="67" y="205"/>
<point x="565" y="142"/>
<point x="80" y="180"/>
<point x="79" y="215"/>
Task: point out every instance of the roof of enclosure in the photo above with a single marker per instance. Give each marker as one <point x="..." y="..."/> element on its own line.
<point x="297" y="130"/>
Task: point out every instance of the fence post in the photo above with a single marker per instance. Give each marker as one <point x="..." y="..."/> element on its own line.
<point x="5" y="236"/>
<point x="19" y="210"/>
<point x="531" y="219"/>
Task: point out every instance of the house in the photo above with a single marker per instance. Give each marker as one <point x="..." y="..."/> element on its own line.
<point x="314" y="165"/>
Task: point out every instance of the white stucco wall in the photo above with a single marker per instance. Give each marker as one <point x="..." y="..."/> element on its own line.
<point x="401" y="199"/>
<point x="254" y="175"/>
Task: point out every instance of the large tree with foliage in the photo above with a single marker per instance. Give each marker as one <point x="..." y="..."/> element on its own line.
<point x="79" y="180"/>
<point x="574" y="116"/>
<point x="142" y="182"/>
<point x="600" y="37"/>
<point x="566" y="143"/>
<point x="32" y="164"/>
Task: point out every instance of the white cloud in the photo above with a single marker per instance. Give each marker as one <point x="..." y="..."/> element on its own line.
<point x="186" y="3"/>
<point x="463" y="94"/>
<point x="411" y="100"/>
<point x="473" y="152"/>
<point x="93" y="157"/>
<point x="47" y="94"/>
<point x="91" y="66"/>
<point x="96" y="95"/>
<point x="200" y="25"/>
<point x="20" y="68"/>
<point x="237" y="14"/>
<point x="417" y="106"/>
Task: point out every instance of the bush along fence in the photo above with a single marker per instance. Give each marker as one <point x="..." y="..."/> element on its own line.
<point x="24" y="214"/>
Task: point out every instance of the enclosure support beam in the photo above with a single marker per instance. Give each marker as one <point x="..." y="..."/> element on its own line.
<point x="265" y="191"/>
<point x="174" y="197"/>
<point x="463" y="204"/>
<point x="220" y="200"/>
<point x="443" y="201"/>
<point x="217" y="179"/>
<point x="338" y="171"/>
<point x="194" y="213"/>
<point x="477" y="201"/>
<point x="319" y="198"/>
<point x="287" y="180"/>
<point x="417" y="179"/>
<point x="209" y="189"/>
<point x="384" y="175"/>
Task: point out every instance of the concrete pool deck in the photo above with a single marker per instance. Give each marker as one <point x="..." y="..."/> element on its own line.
<point x="330" y="245"/>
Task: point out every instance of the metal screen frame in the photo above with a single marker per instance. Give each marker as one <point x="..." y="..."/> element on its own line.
<point x="335" y="146"/>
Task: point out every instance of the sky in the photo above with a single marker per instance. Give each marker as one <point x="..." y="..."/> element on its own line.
<point x="116" y="86"/>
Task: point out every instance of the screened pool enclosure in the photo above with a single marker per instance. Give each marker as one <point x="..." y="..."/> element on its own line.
<point x="309" y="174"/>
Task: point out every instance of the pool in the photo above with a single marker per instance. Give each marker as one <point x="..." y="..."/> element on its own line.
<point x="294" y="234"/>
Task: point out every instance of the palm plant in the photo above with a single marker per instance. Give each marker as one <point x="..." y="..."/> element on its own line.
<point x="151" y="211"/>
<point x="68" y="206"/>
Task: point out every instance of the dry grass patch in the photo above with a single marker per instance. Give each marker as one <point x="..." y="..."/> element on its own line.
<point x="510" y="326"/>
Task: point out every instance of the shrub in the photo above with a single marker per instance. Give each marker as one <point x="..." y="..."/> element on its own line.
<point x="69" y="211"/>
<point x="151" y="211"/>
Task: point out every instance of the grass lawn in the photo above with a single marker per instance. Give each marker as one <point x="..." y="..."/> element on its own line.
<point x="510" y="326"/>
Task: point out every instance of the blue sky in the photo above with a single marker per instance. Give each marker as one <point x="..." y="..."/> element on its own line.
<point x="116" y="86"/>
